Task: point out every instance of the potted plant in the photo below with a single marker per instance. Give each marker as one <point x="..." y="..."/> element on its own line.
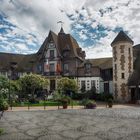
<point x="90" y="105"/>
<point x="110" y="103"/>
<point x="65" y="102"/>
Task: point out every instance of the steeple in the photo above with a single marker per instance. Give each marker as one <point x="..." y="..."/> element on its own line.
<point x="62" y="30"/>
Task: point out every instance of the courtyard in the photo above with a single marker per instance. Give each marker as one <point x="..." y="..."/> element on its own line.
<point x="72" y="124"/>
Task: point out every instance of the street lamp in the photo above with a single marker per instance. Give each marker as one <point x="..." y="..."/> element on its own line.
<point x="29" y="96"/>
<point x="9" y="77"/>
<point x="45" y="93"/>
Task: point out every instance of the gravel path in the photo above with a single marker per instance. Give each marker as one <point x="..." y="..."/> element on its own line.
<point x="98" y="124"/>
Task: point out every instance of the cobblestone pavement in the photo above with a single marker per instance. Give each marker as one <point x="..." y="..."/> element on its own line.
<point x="82" y="124"/>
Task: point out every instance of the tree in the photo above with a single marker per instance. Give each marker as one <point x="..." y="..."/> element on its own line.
<point x="3" y="82"/>
<point x="3" y="94"/>
<point x="29" y="83"/>
<point x="67" y="85"/>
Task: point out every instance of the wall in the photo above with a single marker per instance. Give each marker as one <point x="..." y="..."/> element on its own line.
<point x="122" y="63"/>
<point x="88" y="82"/>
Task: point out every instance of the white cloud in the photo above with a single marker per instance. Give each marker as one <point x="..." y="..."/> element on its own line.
<point x="39" y="16"/>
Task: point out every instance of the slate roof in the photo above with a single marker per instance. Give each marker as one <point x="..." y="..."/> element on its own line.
<point x="121" y="37"/>
<point x="103" y="63"/>
<point x="61" y="41"/>
<point x="23" y="61"/>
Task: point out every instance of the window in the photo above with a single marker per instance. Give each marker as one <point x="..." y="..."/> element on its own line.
<point x="51" y="53"/>
<point x="88" y="66"/>
<point x="66" y="67"/>
<point x="52" y="67"/>
<point x="51" y="45"/>
<point x="123" y="76"/>
<point x="3" y="73"/>
<point x="39" y="68"/>
<point x="83" y="85"/>
<point x="122" y="48"/>
<point x="92" y="83"/>
<point x="115" y="66"/>
<point x="129" y="50"/>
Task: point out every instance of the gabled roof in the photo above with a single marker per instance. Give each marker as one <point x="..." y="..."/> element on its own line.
<point x="121" y="37"/>
<point x="52" y="36"/>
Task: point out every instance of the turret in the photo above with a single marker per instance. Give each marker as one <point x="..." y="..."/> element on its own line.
<point x="122" y="47"/>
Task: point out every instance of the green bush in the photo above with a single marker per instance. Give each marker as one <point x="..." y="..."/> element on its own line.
<point x="88" y="104"/>
<point x="84" y="101"/>
<point x="78" y="96"/>
<point x="101" y="97"/>
<point x="3" y="105"/>
<point x="34" y="101"/>
<point x="65" y="100"/>
<point x="91" y="105"/>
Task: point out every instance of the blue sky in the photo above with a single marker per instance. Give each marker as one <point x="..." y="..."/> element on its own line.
<point x="24" y="24"/>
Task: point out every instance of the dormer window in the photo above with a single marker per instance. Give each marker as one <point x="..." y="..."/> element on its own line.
<point x="66" y="53"/>
<point x="52" y="54"/>
<point x="66" y="50"/>
<point x="51" y="45"/>
<point x="66" y="68"/>
<point x="88" y="66"/>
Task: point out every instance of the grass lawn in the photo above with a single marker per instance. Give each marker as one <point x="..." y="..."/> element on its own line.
<point x="42" y="103"/>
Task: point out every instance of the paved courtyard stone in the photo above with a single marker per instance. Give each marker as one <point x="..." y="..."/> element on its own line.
<point x="77" y="124"/>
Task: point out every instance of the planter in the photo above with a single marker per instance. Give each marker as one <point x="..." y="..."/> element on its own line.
<point x="65" y="106"/>
<point x="90" y="105"/>
<point x="110" y="105"/>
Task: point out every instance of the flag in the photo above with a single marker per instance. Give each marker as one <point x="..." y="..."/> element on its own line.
<point x="58" y="68"/>
<point x="46" y="66"/>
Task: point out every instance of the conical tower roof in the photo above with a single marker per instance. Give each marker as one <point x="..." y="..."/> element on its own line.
<point x="61" y="31"/>
<point x="122" y="37"/>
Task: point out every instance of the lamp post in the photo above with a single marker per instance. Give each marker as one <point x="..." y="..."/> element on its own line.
<point x="29" y="95"/>
<point x="10" y="101"/>
<point x="44" y="93"/>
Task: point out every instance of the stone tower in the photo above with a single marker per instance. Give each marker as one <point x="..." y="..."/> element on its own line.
<point x="122" y="47"/>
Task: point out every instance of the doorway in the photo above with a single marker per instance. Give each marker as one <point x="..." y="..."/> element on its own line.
<point x="106" y="88"/>
<point x="133" y="97"/>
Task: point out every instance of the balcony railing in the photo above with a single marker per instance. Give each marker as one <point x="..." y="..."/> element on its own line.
<point x="51" y="73"/>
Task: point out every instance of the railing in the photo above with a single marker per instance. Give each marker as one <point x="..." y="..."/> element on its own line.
<point x="51" y="73"/>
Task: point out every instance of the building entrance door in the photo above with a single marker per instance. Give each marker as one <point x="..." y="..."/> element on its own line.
<point x="52" y="85"/>
<point x="106" y="88"/>
<point x="133" y="98"/>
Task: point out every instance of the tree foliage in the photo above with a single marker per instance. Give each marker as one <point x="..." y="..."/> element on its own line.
<point x="65" y="85"/>
<point x="29" y="83"/>
<point x="3" y="82"/>
<point x="3" y="93"/>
